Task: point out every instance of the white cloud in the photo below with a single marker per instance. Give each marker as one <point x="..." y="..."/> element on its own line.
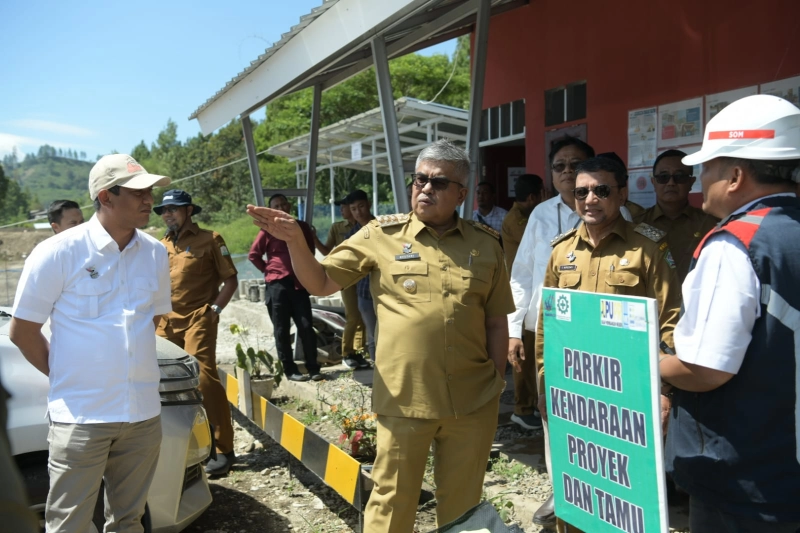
<point x="27" y="144"/>
<point x="48" y="126"/>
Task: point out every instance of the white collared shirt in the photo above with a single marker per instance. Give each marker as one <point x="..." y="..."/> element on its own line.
<point x="101" y="303"/>
<point x="548" y="220"/>
<point x="721" y="303"/>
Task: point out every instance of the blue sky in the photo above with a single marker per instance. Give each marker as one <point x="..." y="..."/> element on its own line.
<point x="101" y="76"/>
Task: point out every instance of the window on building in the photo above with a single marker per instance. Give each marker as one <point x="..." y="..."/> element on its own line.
<point x="565" y="104"/>
<point x="503" y="121"/>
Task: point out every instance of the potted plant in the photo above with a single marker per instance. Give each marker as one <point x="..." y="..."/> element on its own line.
<point x="265" y="371"/>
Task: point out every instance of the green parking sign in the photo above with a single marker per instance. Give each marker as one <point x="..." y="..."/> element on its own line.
<point x="603" y="405"/>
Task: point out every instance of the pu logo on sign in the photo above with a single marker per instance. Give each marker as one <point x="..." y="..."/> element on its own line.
<point x="611" y="313"/>
<point x="563" y="306"/>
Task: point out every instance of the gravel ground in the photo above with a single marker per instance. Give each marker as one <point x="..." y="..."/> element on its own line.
<point x="269" y="491"/>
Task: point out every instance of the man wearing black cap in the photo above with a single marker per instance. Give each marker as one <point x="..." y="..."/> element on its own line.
<point x="199" y="262"/>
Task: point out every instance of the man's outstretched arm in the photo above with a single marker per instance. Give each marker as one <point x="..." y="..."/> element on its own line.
<point x="306" y="267"/>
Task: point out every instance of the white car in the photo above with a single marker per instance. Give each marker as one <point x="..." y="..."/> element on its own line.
<point x="179" y="492"/>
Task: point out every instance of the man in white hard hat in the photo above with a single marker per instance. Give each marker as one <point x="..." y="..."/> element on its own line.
<point x="734" y="434"/>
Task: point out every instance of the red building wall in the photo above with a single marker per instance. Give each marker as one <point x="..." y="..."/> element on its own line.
<point x="633" y="54"/>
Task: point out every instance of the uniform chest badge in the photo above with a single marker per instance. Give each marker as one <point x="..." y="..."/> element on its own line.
<point x="571" y="257"/>
<point x="697" y="234"/>
<point x="410" y="286"/>
<point x="94" y="274"/>
<point x="624" y="261"/>
<point x="406" y="255"/>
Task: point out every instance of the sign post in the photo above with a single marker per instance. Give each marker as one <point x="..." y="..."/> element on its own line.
<point x="603" y="406"/>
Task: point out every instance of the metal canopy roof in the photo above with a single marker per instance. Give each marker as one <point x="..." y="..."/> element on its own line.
<point x="419" y="123"/>
<point x="332" y="44"/>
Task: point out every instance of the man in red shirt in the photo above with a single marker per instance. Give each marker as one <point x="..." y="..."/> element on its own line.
<point x="286" y="297"/>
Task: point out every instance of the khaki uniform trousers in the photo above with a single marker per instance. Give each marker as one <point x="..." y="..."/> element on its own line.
<point x="461" y="452"/>
<point x="526" y="393"/>
<point x="353" y="336"/>
<point x="197" y="334"/>
<point x="123" y="454"/>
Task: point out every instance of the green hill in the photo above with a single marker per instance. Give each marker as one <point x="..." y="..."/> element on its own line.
<point x="53" y="178"/>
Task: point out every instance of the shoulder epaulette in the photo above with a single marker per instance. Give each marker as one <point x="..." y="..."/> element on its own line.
<point x="652" y="233"/>
<point x="563" y="237"/>
<point x="488" y="229"/>
<point x="392" y="220"/>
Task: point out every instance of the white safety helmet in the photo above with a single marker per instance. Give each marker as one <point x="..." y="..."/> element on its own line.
<point x="761" y="127"/>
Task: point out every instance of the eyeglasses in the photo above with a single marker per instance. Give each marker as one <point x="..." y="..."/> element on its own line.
<point x="439" y="183"/>
<point x="170" y="208"/>
<point x="561" y="167"/>
<point x="680" y="178"/>
<point x="601" y="191"/>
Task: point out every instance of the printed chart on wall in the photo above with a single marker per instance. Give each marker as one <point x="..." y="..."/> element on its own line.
<point x="680" y="123"/>
<point x="717" y="102"/>
<point x="788" y="89"/>
<point x="603" y="402"/>
<point x="642" y="137"/>
<point x="640" y="188"/>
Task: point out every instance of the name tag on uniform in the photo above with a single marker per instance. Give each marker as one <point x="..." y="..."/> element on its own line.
<point x="406" y="257"/>
<point x="568" y="267"/>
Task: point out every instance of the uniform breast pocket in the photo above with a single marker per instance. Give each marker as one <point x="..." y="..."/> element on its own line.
<point x="477" y="281"/>
<point x="192" y="261"/>
<point x="622" y="282"/>
<point x="93" y="293"/>
<point x="410" y="281"/>
<point x="144" y="291"/>
<point x="569" y="280"/>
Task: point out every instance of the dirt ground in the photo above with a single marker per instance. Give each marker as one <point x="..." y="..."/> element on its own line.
<point x="270" y="491"/>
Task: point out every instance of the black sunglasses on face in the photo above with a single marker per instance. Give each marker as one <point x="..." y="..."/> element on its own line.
<point x="601" y="191"/>
<point x="439" y="183"/>
<point x="170" y="208"/>
<point x="680" y="178"/>
<point x="561" y="167"/>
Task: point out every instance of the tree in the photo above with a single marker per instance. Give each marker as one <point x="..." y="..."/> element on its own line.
<point x="14" y="202"/>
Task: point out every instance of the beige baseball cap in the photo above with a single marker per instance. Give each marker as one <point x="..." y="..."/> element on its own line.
<point x="122" y="170"/>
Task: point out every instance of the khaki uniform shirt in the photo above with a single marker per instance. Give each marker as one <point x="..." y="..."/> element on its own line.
<point x="683" y="233"/>
<point x="338" y="233"/>
<point x="641" y="267"/>
<point x="199" y="262"/>
<point x="512" y="231"/>
<point x="432" y="296"/>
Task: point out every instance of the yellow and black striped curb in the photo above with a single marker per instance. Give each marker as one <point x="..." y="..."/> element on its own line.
<point x="330" y="463"/>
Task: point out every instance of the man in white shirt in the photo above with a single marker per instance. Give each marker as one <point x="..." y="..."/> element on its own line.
<point x="548" y="220"/>
<point x="734" y="431"/>
<point x="103" y="286"/>
<point x="488" y="213"/>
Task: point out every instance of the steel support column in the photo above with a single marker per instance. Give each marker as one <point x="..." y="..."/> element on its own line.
<point x="313" y="142"/>
<point x="252" y="160"/>
<point x="375" y="182"/>
<point x="333" y="188"/>
<point x="476" y="101"/>
<point x="389" y="124"/>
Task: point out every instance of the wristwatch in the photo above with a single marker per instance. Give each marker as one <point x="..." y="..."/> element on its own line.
<point x="217" y="309"/>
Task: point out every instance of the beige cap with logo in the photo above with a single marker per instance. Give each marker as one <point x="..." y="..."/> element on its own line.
<point x="122" y="170"/>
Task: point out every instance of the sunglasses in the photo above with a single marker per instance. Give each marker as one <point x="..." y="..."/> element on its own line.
<point x="439" y="183"/>
<point x="561" y="167"/>
<point x="170" y="208"/>
<point x="679" y="178"/>
<point x="601" y="191"/>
